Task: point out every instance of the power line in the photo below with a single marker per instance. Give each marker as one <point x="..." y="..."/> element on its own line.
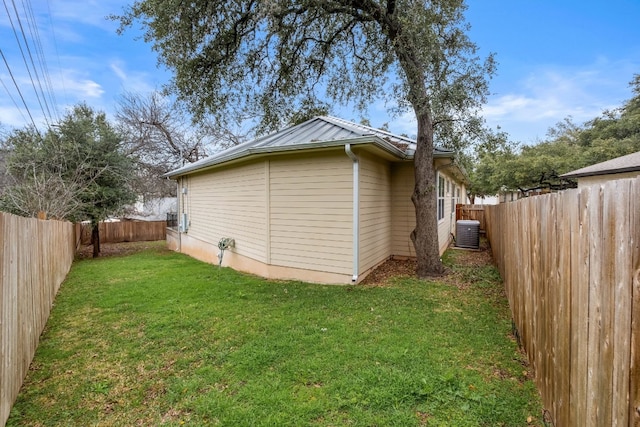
<point x="39" y="95"/>
<point x="13" y="99"/>
<point x="18" y="88"/>
<point x="55" y="45"/>
<point x="15" y="33"/>
<point x="38" y="71"/>
<point x="35" y="35"/>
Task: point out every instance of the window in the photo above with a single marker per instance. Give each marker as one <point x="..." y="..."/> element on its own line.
<point x="454" y="200"/>
<point x="441" y="182"/>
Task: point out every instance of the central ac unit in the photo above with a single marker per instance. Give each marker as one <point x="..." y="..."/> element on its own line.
<point x="468" y="234"/>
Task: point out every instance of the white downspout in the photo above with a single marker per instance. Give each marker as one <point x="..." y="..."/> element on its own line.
<point x="356" y="212"/>
<point x="178" y="207"/>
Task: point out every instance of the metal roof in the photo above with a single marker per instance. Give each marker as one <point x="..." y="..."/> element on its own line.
<point x="319" y="132"/>
<point x="628" y="163"/>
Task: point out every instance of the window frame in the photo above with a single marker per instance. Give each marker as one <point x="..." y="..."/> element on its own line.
<point x="441" y="197"/>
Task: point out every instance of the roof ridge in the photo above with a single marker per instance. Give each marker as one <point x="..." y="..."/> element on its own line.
<point x="371" y="129"/>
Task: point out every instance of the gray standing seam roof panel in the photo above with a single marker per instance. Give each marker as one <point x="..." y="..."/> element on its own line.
<point x="323" y="130"/>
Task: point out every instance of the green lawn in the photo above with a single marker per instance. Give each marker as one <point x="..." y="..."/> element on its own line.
<point x="158" y="338"/>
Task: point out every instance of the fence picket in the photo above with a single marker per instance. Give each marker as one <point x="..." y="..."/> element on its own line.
<point x="634" y="371"/>
<point x="622" y="296"/>
<point x="125" y="231"/>
<point x="571" y="268"/>
<point x="35" y="257"/>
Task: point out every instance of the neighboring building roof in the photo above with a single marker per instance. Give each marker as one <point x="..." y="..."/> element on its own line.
<point x="319" y="132"/>
<point x="628" y="163"/>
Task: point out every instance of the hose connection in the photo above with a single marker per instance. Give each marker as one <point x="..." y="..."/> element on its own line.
<point x="224" y="244"/>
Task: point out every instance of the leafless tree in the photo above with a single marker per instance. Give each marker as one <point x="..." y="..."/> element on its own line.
<point x="161" y="137"/>
<point x="46" y="191"/>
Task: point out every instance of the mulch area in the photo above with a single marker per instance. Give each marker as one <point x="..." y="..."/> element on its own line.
<point x="393" y="268"/>
<point x="398" y="268"/>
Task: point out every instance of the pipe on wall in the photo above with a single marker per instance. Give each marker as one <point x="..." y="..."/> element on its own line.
<point x="356" y="211"/>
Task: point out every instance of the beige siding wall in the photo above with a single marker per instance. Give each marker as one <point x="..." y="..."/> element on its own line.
<point x="375" y="211"/>
<point x="294" y="212"/>
<point x="311" y="212"/>
<point x="402" y="211"/>
<point x="404" y="214"/>
<point x="602" y="179"/>
<point x="229" y="202"/>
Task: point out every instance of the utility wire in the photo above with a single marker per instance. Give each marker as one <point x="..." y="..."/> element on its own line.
<point x="35" y="35"/>
<point x="24" y="56"/>
<point x="18" y="88"/>
<point x="13" y="99"/>
<point x="35" y="69"/>
<point x="55" y="45"/>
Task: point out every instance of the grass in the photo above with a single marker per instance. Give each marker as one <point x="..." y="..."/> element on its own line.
<point x="157" y="338"/>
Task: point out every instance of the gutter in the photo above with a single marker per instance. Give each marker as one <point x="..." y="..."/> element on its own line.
<point x="570" y="175"/>
<point x="464" y="178"/>
<point x="236" y="155"/>
<point x="356" y="211"/>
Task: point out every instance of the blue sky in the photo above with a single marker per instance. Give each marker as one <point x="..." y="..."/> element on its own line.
<point x="556" y="59"/>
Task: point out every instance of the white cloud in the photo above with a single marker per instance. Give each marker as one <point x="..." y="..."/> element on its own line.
<point x="67" y="88"/>
<point x="405" y="124"/>
<point x="78" y="87"/>
<point x="131" y="80"/>
<point x="12" y="117"/>
<point x="117" y="69"/>
<point x="540" y="99"/>
<point x="549" y="94"/>
<point x="532" y="103"/>
<point x="89" y="12"/>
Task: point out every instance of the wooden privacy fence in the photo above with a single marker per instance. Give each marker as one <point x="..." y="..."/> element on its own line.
<point x="124" y="231"/>
<point x="35" y="257"/>
<point x="571" y="267"/>
<point x="471" y="212"/>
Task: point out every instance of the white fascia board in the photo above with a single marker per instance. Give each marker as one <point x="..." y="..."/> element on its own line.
<point x="250" y="152"/>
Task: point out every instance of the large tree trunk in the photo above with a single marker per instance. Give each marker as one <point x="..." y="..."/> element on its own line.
<point x="95" y="238"/>
<point x="425" y="235"/>
<point x="424" y="198"/>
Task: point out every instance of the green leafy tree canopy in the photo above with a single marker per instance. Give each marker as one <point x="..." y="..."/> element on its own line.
<point x="569" y="146"/>
<point x="75" y="171"/>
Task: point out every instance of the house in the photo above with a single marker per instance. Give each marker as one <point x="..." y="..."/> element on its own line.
<point x="154" y="209"/>
<point x="621" y="167"/>
<point x="505" y="195"/>
<point x="324" y="201"/>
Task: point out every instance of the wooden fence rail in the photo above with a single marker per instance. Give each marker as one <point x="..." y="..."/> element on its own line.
<point x="571" y="267"/>
<point x="124" y="231"/>
<point x="471" y="212"/>
<point x="35" y="257"/>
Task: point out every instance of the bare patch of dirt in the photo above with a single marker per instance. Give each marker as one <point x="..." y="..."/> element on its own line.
<point x="119" y="249"/>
